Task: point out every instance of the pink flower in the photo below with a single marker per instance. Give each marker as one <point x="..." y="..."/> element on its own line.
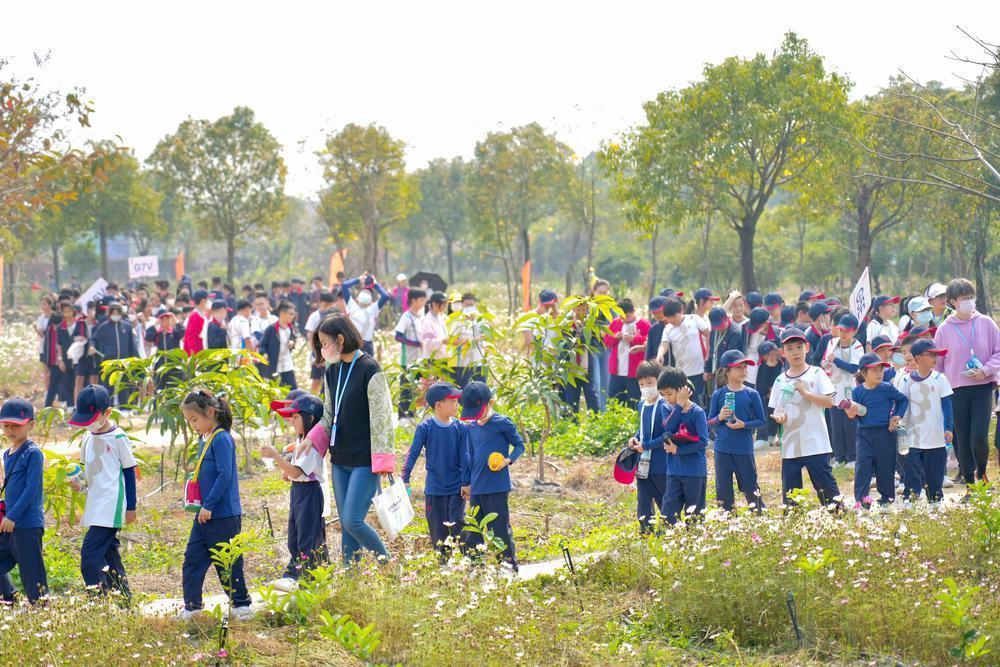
<point x="727" y="563"/>
<point x="755" y="538"/>
<point x="223" y="653"/>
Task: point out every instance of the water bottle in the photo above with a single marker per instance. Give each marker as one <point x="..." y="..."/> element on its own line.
<point x="642" y="471"/>
<point x="784" y="397"/>
<point x="730" y="404"/>
<point x="902" y="440"/>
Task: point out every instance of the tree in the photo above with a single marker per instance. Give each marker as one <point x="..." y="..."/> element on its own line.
<point x="747" y="128"/>
<point x="442" y="209"/>
<point x="368" y="189"/>
<point x="517" y="179"/>
<point x="229" y="172"/>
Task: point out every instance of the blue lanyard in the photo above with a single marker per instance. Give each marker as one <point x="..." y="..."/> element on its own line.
<point x="958" y="329"/>
<point x="338" y="395"/>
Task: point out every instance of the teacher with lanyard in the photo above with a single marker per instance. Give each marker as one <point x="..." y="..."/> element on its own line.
<point x="356" y="428"/>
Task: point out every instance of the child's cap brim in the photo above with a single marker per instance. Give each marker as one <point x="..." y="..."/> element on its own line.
<point x="83" y="419"/>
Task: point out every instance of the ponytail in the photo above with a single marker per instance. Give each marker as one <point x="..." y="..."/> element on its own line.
<point x="202" y="399"/>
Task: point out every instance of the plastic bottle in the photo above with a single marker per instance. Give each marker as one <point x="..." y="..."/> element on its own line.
<point x="784" y="397"/>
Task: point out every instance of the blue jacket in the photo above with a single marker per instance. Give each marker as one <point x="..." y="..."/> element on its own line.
<point x="23" y="493"/>
<point x="653" y="439"/>
<point x="817" y="346"/>
<point x="749" y="410"/>
<point x="883" y="402"/>
<point x="720" y="342"/>
<point x="216" y="337"/>
<point x="114" y="340"/>
<point x="447" y="459"/>
<point x="218" y="479"/>
<point x="497" y="435"/>
<point x="682" y="428"/>
<point x="653" y="339"/>
<point x="270" y="347"/>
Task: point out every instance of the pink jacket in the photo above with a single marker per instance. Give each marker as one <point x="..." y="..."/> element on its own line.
<point x="956" y="336"/>
<point x="634" y="358"/>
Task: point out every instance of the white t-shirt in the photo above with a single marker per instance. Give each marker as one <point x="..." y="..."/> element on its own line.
<point x="365" y="318"/>
<point x="685" y="342"/>
<point x="104" y="456"/>
<point x="753" y="341"/>
<point x="41" y="324"/>
<point x="239" y="331"/>
<point x="887" y="329"/>
<point x="258" y="323"/>
<point x="843" y="381"/>
<point x="628" y="329"/>
<point x="804" y="428"/>
<point x="409" y="327"/>
<point x="311" y="463"/>
<point x="285" y="363"/>
<point x="924" y="418"/>
<point x="433" y="334"/>
<point x="468" y="352"/>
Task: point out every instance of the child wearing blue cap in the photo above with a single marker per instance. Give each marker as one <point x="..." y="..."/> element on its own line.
<point x="768" y="369"/>
<point x="724" y="336"/>
<point x="879" y="407"/>
<point x="881" y="324"/>
<point x="798" y="398"/>
<point x="648" y="442"/>
<point x="884" y="348"/>
<point x="929" y="420"/>
<point x="448" y="484"/>
<point x="687" y="439"/>
<point x="735" y="411"/>
<point x="684" y="339"/>
<point x="840" y="362"/>
<point x="108" y="481"/>
<point x="305" y="468"/>
<point x="490" y="433"/>
<point x="22" y="516"/>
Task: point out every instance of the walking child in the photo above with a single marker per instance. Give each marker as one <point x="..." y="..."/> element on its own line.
<point x="840" y="362"/>
<point x="648" y="443"/>
<point x="687" y="439"/>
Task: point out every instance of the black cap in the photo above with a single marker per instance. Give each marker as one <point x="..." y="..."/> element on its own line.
<point x="17" y="411"/>
<point x="475" y="398"/>
<point x="792" y="333"/>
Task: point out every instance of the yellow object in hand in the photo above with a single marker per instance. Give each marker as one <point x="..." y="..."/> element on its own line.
<point x="495" y="462"/>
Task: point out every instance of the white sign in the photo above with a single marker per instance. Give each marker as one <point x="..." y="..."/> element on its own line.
<point x="143" y="267"/>
<point x="861" y="297"/>
<point x="93" y="293"/>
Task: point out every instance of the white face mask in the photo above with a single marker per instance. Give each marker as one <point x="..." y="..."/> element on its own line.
<point x="115" y="318"/>
<point x="966" y="306"/>
<point x="648" y="393"/>
<point x="330" y="354"/>
<point x="365" y="298"/>
<point x="469" y="310"/>
<point x="98" y="426"/>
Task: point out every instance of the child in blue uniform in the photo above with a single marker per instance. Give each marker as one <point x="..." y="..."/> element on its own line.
<point x="216" y="338"/>
<point x="734" y="427"/>
<point x="687" y="430"/>
<point x="447" y="485"/>
<point x="651" y="473"/>
<point x="489" y="433"/>
<point x="884" y="407"/>
<point x="23" y="523"/>
<point x="884" y="348"/>
<point x="306" y="471"/>
<point x="220" y="516"/>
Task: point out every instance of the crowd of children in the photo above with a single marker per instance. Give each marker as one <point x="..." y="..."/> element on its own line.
<point x="739" y="377"/>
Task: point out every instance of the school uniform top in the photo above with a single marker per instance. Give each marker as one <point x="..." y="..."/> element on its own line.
<point x="408" y="334"/>
<point x="363" y="436"/>
<point x="652" y="433"/>
<point x="879" y="327"/>
<point x="105" y="457"/>
<point x="56" y="345"/>
<point x="845" y="365"/>
<point x="165" y="340"/>
<point x="682" y="428"/>
<point x="749" y="409"/>
<point x="465" y="330"/>
<point x="889" y="375"/>
<point x="766" y="375"/>
<point x="433" y="334"/>
<point x="930" y="413"/>
<point x="621" y="362"/>
<point x="114" y="340"/>
<point x="447" y="458"/>
<point x="23" y="493"/>
<point x="310" y="461"/>
<point x="498" y="434"/>
<point x="686" y="344"/>
<point x="883" y="403"/>
<point x="653" y="339"/>
<point x="216" y="338"/>
<point x="818" y="340"/>
<point x="275" y="336"/>
<point x="753" y="341"/>
<point x="193" y="342"/>
<point x="720" y="342"/>
<point x="804" y="431"/>
<point x="258" y="324"/>
<point x="218" y="479"/>
<point x="237" y="332"/>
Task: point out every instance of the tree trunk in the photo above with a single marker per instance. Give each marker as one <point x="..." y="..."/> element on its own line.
<point x="55" y="264"/>
<point x="864" y="242"/>
<point x="102" y="236"/>
<point x="652" y="260"/>
<point x="230" y="258"/>
<point x="705" y="235"/>
<point x="525" y="245"/>
<point x="747" y="231"/>
<point x="450" y="253"/>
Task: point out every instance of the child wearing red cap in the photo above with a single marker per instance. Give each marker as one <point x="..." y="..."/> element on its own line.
<point x="881" y="324"/>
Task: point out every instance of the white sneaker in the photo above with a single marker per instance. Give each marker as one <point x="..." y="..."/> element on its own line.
<point x="285" y="585"/>
<point x="947" y="483"/>
<point x="189" y="614"/>
<point x="900" y="486"/>
<point x="243" y="613"/>
<point x="759" y="445"/>
<point x="773" y="441"/>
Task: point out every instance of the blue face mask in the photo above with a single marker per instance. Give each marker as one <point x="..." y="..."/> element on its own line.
<point x="898" y="359"/>
<point x="923" y="317"/>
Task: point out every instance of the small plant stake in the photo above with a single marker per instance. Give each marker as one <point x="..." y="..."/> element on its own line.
<point x="267" y="515"/>
<point x="572" y="573"/>
<point x="790" y="601"/>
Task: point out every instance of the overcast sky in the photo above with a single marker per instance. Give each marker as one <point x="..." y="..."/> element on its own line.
<point x="440" y="75"/>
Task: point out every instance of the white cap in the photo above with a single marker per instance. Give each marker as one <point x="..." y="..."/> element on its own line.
<point x="935" y="290"/>
<point x="916" y="304"/>
<point x="401" y="276"/>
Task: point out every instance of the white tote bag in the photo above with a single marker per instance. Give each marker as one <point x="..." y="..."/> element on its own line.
<point x="392" y="507"/>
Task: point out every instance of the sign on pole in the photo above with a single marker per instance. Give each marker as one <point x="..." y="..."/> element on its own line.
<point x="94" y="292"/>
<point x="147" y="266"/>
<point x="861" y="297"/>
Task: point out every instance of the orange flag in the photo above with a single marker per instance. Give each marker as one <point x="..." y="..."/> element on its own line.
<point x="336" y="265"/>
<point x="526" y="285"/>
<point x="179" y="265"/>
